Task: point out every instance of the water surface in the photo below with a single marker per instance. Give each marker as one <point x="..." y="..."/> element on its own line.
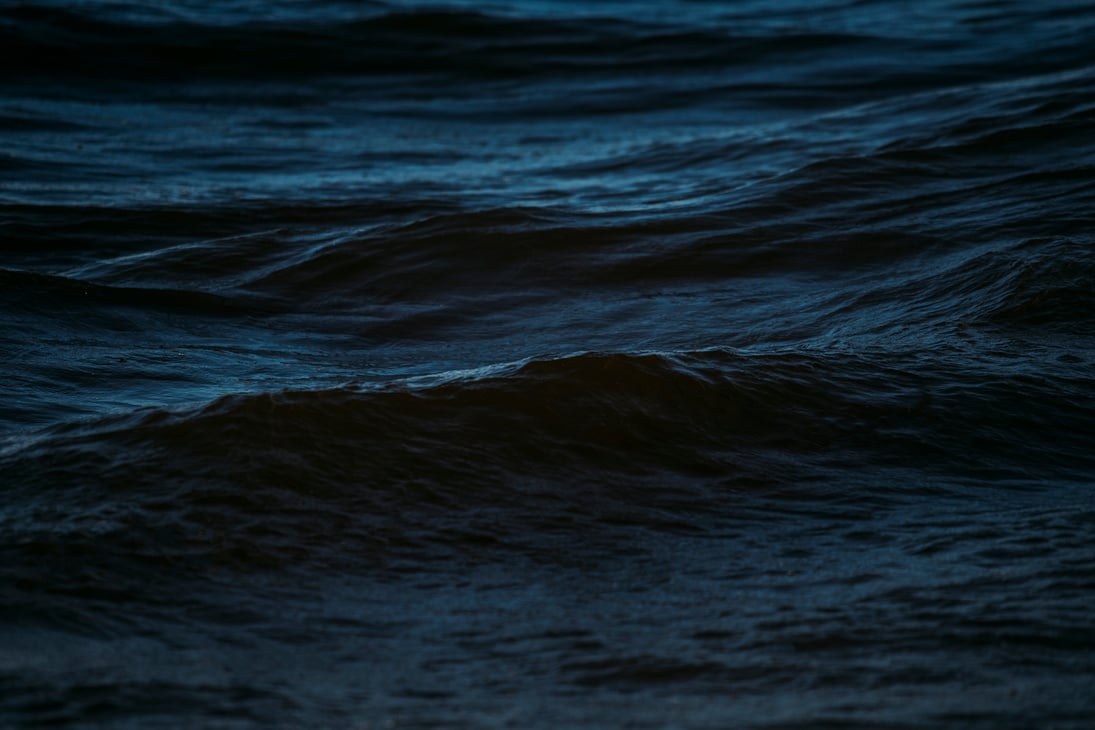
<point x="547" y="364"/>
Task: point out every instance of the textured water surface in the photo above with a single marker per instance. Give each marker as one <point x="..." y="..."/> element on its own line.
<point x="539" y="363"/>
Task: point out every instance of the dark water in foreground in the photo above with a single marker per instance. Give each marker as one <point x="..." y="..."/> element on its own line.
<point x="544" y="364"/>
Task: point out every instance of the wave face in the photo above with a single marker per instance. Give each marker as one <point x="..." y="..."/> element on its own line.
<point x="547" y="364"/>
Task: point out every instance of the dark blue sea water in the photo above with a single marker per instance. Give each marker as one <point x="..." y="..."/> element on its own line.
<point x="547" y="364"/>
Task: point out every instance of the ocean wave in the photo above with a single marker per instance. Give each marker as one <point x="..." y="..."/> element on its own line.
<point x="39" y="292"/>
<point x="405" y="42"/>
<point x="704" y="413"/>
<point x="397" y="42"/>
<point x="514" y="460"/>
<point x="544" y="364"/>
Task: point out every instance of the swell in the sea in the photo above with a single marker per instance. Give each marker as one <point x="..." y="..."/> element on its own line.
<point x="541" y="365"/>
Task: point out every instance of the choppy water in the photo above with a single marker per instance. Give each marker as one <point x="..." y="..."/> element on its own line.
<point x="547" y="364"/>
